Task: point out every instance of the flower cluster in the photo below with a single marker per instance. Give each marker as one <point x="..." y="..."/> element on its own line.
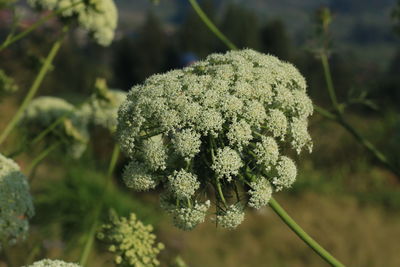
<point x="15" y="201"/>
<point x="98" y="17"/>
<point x="222" y="123"/>
<point x="53" y="263"/>
<point x="102" y="107"/>
<point x="132" y="241"/>
<point x="69" y="124"/>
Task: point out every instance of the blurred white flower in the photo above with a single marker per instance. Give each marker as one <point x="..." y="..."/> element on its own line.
<point x="15" y="202"/>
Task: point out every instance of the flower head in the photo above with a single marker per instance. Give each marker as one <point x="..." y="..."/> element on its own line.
<point x="183" y="184"/>
<point x="267" y="152"/>
<point x="225" y="122"/>
<point x="286" y="173"/>
<point x="138" y="177"/>
<point x="227" y="163"/>
<point x="232" y="217"/>
<point x="187" y="218"/>
<point x="260" y="193"/>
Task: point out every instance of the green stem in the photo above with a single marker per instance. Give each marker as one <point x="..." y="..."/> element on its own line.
<point x="329" y="82"/>
<point x="220" y="193"/>
<point x="32" y="91"/>
<point x="90" y="239"/>
<point x="203" y="16"/>
<point x="303" y="235"/>
<point x="12" y="39"/>
<point x="41" y="157"/>
<point x="369" y="146"/>
<point x="341" y="120"/>
<point x="325" y="113"/>
<point x="26" y="145"/>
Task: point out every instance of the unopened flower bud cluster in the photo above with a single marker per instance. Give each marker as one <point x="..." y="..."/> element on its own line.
<point x="221" y="123"/>
<point x="133" y="242"/>
<point x="98" y="17"/>
<point x="15" y="202"/>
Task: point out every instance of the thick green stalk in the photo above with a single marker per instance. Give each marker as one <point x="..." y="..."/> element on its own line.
<point x="90" y="238"/>
<point x="303" y="235"/>
<point x="13" y="38"/>
<point x="32" y="91"/>
<point x="203" y="16"/>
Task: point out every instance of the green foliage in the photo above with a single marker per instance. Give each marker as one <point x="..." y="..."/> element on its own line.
<point x="70" y="201"/>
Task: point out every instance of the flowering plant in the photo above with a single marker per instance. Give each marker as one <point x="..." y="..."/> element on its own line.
<point x="225" y="124"/>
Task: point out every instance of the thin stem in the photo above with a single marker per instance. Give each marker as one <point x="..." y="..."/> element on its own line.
<point x="90" y="239"/>
<point x="220" y="193"/>
<point x="369" y="146"/>
<point x="339" y="118"/>
<point x="325" y="113"/>
<point x="26" y="145"/>
<point x="303" y="235"/>
<point x="41" y="157"/>
<point x="12" y="39"/>
<point x="35" y="86"/>
<point x="329" y="82"/>
<point x="203" y="16"/>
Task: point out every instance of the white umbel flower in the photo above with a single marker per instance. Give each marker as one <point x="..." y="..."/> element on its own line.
<point x="286" y="173"/>
<point x="227" y="121"/>
<point x="276" y="123"/>
<point x="15" y="202"/>
<point x="53" y="263"/>
<point x="154" y="153"/>
<point x="183" y="184"/>
<point x="44" y="110"/>
<point x="138" y="177"/>
<point x="267" y="152"/>
<point x="232" y="217"/>
<point x="187" y="143"/>
<point x="227" y="163"/>
<point x="260" y="193"/>
<point x="188" y="218"/>
<point x="299" y="135"/>
<point x="97" y="17"/>
<point x="239" y="134"/>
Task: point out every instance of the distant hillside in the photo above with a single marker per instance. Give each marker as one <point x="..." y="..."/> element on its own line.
<point x="361" y="27"/>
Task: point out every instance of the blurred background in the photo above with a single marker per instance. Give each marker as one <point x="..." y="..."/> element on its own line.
<point x="343" y="197"/>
